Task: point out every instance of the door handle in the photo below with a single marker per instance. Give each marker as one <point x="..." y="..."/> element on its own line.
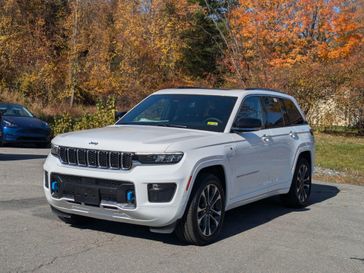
<point x="266" y="138"/>
<point x="293" y="135"/>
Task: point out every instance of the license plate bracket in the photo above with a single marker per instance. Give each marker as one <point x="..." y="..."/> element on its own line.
<point x="87" y="195"/>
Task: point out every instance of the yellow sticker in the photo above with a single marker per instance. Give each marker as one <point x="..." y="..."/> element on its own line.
<point x="213" y="123"/>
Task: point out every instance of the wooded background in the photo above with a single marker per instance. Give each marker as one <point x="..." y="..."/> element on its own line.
<point x="61" y="56"/>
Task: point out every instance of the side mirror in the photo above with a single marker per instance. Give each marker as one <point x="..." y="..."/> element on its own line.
<point x="247" y="125"/>
<point x="119" y="115"/>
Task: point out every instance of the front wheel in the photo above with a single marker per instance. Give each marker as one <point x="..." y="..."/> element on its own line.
<point x="205" y="213"/>
<point x="300" y="190"/>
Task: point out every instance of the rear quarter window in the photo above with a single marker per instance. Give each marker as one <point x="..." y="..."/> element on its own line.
<point x="294" y="116"/>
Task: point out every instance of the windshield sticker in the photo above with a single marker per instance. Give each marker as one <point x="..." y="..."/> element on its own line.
<point x="212" y="123"/>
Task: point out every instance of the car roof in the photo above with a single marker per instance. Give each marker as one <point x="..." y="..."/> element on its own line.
<point x="222" y="92"/>
<point x="10" y="104"/>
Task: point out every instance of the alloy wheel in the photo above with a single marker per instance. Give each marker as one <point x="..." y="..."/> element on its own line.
<point x="209" y="210"/>
<point x="303" y="183"/>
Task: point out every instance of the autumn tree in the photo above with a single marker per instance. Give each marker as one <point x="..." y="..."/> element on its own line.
<point x="148" y="44"/>
<point x="295" y="45"/>
<point x="30" y="45"/>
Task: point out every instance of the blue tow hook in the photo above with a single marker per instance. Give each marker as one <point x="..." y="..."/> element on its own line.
<point x="54" y="186"/>
<point x="130" y="196"/>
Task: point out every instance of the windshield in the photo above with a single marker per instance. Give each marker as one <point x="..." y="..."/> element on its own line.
<point x="202" y="112"/>
<point x="14" y="110"/>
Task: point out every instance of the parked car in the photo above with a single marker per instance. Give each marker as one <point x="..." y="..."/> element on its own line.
<point x="181" y="158"/>
<point x="19" y="125"/>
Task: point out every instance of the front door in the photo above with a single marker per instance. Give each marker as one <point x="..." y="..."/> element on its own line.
<point x="252" y="151"/>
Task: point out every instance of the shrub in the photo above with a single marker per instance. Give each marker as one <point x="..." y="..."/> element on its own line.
<point x="103" y="116"/>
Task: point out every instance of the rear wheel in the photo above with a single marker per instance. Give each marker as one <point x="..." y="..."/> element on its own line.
<point x="300" y="190"/>
<point x="205" y="212"/>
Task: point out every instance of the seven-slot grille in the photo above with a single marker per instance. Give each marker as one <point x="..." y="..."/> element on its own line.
<point x="95" y="158"/>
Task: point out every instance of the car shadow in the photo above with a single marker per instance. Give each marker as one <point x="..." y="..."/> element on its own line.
<point x="15" y="157"/>
<point x="236" y="221"/>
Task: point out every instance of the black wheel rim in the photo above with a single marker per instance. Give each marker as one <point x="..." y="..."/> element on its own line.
<point x="209" y="210"/>
<point x="303" y="183"/>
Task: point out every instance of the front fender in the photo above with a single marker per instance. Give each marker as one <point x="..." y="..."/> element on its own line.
<point x="198" y="166"/>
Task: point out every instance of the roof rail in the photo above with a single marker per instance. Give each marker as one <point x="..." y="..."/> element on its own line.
<point x="199" y="87"/>
<point x="264" y="89"/>
<point x="247" y="89"/>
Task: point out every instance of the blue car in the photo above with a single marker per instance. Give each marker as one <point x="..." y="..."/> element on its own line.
<point x="18" y="125"/>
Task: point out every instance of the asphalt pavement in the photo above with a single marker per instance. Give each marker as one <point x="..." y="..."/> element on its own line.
<point x="327" y="236"/>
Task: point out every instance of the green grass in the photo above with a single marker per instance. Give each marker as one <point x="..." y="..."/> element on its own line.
<point x="340" y="153"/>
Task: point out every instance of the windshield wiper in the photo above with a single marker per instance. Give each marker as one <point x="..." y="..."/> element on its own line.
<point x="171" y="125"/>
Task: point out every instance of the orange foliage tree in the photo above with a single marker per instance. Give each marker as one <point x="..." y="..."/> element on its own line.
<point x="278" y="33"/>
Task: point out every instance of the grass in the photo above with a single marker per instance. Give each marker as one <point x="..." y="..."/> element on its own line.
<point x="341" y="153"/>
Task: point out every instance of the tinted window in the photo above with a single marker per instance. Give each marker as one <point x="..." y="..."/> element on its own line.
<point x="14" y="110"/>
<point x="201" y="112"/>
<point x="294" y="116"/>
<point x="274" y="115"/>
<point x="250" y="109"/>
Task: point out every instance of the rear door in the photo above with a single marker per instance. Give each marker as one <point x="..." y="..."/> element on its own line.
<point x="297" y="129"/>
<point x="279" y="167"/>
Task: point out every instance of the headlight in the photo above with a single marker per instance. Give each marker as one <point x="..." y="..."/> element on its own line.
<point x="165" y="158"/>
<point x="45" y="124"/>
<point x="9" y="124"/>
<point x="55" y="150"/>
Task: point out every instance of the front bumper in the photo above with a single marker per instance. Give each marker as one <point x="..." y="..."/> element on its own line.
<point x="145" y="212"/>
<point x="21" y="135"/>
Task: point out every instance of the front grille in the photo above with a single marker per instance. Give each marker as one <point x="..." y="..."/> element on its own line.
<point x="72" y="156"/>
<point x="95" y="158"/>
<point x="37" y="131"/>
<point x="63" y="154"/>
<point x="104" y="159"/>
<point x="127" y="160"/>
<point x="92" y="158"/>
<point x="81" y="156"/>
<point x="114" y="160"/>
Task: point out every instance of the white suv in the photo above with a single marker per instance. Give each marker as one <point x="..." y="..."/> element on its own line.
<point x="181" y="158"/>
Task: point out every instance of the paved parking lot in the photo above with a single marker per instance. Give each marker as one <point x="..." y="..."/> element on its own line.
<point x="327" y="236"/>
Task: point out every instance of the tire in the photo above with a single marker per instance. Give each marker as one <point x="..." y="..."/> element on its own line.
<point x="299" y="193"/>
<point x="205" y="212"/>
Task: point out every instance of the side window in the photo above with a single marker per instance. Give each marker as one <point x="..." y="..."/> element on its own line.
<point x="274" y="114"/>
<point x="250" y="114"/>
<point x="294" y="116"/>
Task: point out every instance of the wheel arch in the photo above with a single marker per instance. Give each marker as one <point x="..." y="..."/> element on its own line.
<point x="307" y="154"/>
<point x="217" y="170"/>
<point x="216" y="167"/>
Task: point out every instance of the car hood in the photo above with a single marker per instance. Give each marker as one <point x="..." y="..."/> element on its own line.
<point x="133" y="138"/>
<point x="25" y="122"/>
